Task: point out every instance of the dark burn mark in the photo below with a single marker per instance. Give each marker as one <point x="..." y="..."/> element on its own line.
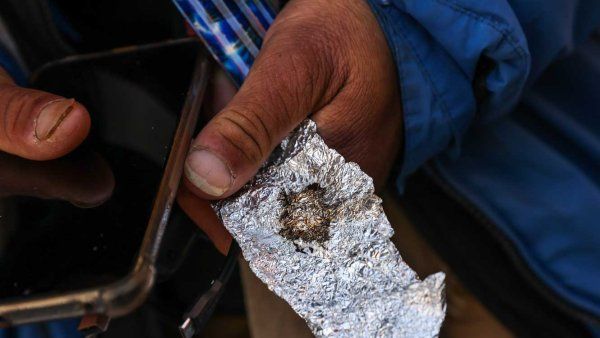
<point x="306" y="216"/>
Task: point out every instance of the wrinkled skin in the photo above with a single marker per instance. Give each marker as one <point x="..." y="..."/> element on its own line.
<point x="323" y="59"/>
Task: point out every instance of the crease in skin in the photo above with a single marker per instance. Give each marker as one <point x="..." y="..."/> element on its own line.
<point x="57" y="123"/>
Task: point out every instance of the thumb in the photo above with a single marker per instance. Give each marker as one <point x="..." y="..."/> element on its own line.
<point x="289" y="80"/>
<point x="37" y="125"/>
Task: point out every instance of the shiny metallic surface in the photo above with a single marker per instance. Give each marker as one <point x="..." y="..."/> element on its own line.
<point x="312" y="229"/>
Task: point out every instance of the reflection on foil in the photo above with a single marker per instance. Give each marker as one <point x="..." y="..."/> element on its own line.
<point x="312" y="229"/>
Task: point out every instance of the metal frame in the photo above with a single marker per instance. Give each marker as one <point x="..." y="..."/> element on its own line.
<point x="123" y="296"/>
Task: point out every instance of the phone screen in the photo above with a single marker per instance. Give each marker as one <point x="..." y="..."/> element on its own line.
<point x="79" y="221"/>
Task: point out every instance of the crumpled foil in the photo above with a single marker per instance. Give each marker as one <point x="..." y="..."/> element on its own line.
<point x="312" y="229"/>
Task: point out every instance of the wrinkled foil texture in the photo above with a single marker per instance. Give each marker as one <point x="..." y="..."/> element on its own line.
<point x="354" y="283"/>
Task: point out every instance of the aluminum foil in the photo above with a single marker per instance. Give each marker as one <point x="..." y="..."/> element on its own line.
<point x="312" y="229"/>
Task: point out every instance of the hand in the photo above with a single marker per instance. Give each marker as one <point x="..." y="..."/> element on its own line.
<point x="328" y="58"/>
<point x="36" y="125"/>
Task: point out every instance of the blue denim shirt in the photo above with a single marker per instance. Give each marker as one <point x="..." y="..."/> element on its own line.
<point x="528" y="155"/>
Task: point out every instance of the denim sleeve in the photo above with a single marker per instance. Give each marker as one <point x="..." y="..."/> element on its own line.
<point x="440" y="46"/>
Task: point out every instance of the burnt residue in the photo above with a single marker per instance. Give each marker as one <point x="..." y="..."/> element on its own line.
<point x="306" y="216"/>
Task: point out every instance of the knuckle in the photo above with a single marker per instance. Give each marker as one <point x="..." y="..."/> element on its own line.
<point x="18" y="111"/>
<point x="13" y="108"/>
<point x="243" y="132"/>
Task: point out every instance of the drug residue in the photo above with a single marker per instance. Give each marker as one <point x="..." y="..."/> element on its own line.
<point x="306" y="216"/>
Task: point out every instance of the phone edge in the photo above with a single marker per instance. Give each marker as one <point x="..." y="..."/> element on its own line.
<point x="123" y="296"/>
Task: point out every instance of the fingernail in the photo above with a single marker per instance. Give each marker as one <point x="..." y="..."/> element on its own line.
<point x="208" y="172"/>
<point x="51" y="116"/>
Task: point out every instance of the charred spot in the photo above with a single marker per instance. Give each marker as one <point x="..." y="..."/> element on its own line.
<point x="306" y="216"/>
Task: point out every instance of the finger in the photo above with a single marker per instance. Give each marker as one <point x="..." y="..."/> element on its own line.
<point x="290" y="79"/>
<point x="85" y="181"/>
<point x="37" y="125"/>
<point x="203" y="215"/>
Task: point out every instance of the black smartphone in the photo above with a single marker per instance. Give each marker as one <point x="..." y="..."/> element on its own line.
<point x="80" y="234"/>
